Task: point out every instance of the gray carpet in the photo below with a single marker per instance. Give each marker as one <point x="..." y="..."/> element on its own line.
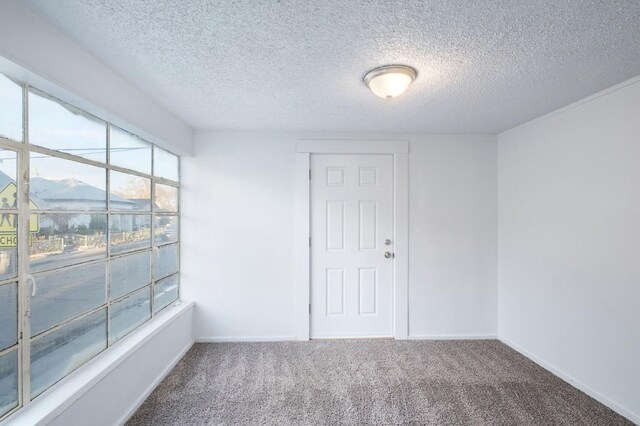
<point x="358" y="382"/>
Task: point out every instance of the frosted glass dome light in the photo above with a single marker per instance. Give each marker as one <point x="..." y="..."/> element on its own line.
<point x="389" y="81"/>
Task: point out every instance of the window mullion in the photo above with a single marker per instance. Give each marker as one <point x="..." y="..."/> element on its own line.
<point x="66" y="156"/>
<point x="10" y="144"/>
<point x="24" y="305"/>
<point x="108" y="238"/>
<point x="179" y="230"/>
<point x="154" y="249"/>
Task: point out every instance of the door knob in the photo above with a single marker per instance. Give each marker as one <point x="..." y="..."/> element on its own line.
<point x="387" y="242"/>
<point x="387" y="254"/>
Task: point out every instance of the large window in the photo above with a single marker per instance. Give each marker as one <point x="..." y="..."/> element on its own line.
<point x="91" y="252"/>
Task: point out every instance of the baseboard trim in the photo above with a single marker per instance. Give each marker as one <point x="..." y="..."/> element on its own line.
<point x="573" y="382"/>
<point x="155" y="384"/>
<point x="350" y="336"/>
<point x="223" y="339"/>
<point x="453" y="337"/>
<point x="230" y="339"/>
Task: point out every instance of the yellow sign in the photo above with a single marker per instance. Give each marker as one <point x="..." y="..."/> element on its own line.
<point x="8" y="220"/>
<point x="11" y="240"/>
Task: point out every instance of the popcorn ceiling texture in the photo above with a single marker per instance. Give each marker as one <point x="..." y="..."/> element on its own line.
<point x="483" y="66"/>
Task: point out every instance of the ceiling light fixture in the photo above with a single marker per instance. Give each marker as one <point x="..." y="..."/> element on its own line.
<point x="389" y="81"/>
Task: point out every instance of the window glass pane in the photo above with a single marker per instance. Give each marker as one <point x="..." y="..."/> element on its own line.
<point x="56" y="125"/>
<point x="58" y="184"/>
<point x="165" y="164"/>
<point x="166" y="230"/>
<point x="129" y="313"/>
<point x="165" y="292"/>
<point x="129" y="273"/>
<point x="166" y="198"/>
<point x="130" y="232"/>
<point x="129" y="151"/>
<point x="167" y="263"/>
<point x="10" y="110"/>
<point x="8" y="246"/>
<point x="8" y="381"/>
<point x="59" y="353"/>
<point x="130" y="192"/>
<point x="8" y="257"/>
<point x="8" y="315"/>
<point x="8" y="222"/>
<point x="8" y="172"/>
<point x="61" y="295"/>
<point x="61" y="239"/>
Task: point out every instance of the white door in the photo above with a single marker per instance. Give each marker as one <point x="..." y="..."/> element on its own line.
<point x="351" y="221"/>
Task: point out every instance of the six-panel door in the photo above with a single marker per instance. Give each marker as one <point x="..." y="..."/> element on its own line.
<point x="351" y="219"/>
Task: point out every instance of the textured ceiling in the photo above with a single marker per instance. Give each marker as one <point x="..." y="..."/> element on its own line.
<point x="483" y="66"/>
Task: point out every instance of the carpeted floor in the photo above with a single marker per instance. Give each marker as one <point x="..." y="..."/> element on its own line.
<point x="359" y="382"/>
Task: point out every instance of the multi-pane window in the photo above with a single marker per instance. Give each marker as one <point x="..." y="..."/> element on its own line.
<point x="91" y="252"/>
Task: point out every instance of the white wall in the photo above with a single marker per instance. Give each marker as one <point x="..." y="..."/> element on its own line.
<point x="236" y="236"/>
<point x="453" y="224"/>
<point x="569" y="244"/>
<point x="238" y="223"/>
<point x="34" y="52"/>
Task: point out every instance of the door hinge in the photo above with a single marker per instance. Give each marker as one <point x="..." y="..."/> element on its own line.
<point x="309" y="307"/>
<point x="309" y="174"/>
<point x="309" y="241"/>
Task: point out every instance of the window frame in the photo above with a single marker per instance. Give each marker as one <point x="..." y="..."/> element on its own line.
<point x="25" y="277"/>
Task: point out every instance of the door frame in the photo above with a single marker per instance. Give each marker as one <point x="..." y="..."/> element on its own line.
<point x="399" y="149"/>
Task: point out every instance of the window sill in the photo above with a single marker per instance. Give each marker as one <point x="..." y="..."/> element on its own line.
<point x="58" y="398"/>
